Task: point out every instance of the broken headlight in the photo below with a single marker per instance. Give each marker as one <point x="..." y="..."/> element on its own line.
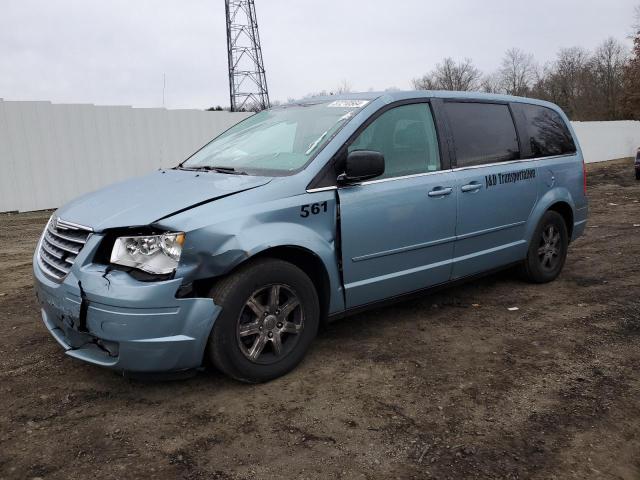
<point x="156" y="254"/>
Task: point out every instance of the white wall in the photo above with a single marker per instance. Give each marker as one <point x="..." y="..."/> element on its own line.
<point x="50" y="154"/>
<point x="602" y="141"/>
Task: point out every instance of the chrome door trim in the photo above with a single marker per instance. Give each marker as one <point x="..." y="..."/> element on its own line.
<point x="404" y="177"/>
<point x="477" y="233"/>
<point x="321" y="189"/>
<point x="408" y="248"/>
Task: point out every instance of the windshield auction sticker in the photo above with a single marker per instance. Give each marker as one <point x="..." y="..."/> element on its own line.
<point x="348" y="104"/>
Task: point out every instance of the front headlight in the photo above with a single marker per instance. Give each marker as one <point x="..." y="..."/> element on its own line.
<point x="157" y="254"/>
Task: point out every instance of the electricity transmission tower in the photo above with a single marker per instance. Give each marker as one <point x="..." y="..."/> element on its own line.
<point x="247" y="80"/>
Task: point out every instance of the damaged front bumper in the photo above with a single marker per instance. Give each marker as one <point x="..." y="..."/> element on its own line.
<point x="116" y="321"/>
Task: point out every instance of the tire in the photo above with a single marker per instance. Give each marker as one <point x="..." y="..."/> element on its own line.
<point x="256" y="338"/>
<point x="637" y="174"/>
<point x="548" y="249"/>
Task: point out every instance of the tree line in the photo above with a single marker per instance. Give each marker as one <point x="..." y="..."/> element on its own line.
<point x="603" y="84"/>
<point x="588" y="85"/>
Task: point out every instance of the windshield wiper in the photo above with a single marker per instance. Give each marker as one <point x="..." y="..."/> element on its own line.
<point x="219" y="169"/>
<point x="230" y="170"/>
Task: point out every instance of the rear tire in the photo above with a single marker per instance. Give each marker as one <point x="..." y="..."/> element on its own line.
<point x="548" y="249"/>
<point x="270" y="315"/>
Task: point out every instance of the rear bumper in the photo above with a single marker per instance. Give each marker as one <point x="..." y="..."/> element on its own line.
<point x="580" y="222"/>
<point x="124" y="324"/>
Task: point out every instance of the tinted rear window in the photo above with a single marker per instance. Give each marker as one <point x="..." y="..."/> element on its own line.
<point x="482" y="132"/>
<point x="548" y="133"/>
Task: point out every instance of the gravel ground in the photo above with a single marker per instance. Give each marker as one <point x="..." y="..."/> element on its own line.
<point x="452" y="385"/>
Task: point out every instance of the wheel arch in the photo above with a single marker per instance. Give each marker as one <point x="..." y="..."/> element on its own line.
<point x="565" y="210"/>
<point x="307" y="261"/>
<point x="558" y="200"/>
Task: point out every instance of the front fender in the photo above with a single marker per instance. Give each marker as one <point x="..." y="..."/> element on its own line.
<point x="260" y="238"/>
<point x="213" y="250"/>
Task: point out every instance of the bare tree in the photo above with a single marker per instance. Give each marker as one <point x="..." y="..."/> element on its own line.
<point x="631" y="89"/>
<point x="343" y="87"/>
<point x="568" y="81"/>
<point x="449" y="75"/>
<point x="518" y="72"/>
<point x="570" y="68"/>
<point x="426" y="82"/>
<point x="322" y="93"/>
<point x="609" y="61"/>
<point x="492" y="83"/>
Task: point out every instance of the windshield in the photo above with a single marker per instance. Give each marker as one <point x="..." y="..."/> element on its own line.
<point x="276" y="141"/>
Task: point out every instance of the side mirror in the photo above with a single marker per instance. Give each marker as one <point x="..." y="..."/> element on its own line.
<point x="362" y="165"/>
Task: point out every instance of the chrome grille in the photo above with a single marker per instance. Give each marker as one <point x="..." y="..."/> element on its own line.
<point x="60" y="245"/>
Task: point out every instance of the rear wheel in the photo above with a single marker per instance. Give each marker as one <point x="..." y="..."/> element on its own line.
<point x="548" y="249"/>
<point x="270" y="316"/>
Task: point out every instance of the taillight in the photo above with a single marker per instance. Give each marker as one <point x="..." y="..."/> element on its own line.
<point x="584" y="177"/>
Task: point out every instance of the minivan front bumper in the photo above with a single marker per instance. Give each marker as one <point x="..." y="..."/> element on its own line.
<point x="115" y="321"/>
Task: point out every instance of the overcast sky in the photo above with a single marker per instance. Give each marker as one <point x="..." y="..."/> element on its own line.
<point x="115" y="52"/>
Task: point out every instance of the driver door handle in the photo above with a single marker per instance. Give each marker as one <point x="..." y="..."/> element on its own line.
<point x="440" y="191"/>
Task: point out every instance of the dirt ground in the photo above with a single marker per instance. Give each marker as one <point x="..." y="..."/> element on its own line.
<point x="450" y="386"/>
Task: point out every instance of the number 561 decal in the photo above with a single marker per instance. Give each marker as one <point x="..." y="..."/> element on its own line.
<point x="313" y="209"/>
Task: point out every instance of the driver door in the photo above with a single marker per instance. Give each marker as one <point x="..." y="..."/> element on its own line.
<point x="398" y="229"/>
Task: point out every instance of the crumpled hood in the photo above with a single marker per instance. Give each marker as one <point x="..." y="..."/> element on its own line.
<point x="143" y="200"/>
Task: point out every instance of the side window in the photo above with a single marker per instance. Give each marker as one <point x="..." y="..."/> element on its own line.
<point x="548" y="133"/>
<point x="406" y="136"/>
<point x="482" y="133"/>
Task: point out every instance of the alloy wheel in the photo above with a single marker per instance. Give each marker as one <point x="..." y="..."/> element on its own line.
<point x="549" y="248"/>
<point x="270" y="324"/>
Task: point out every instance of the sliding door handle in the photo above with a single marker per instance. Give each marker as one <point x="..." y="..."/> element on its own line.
<point x="440" y="191"/>
<point x="471" y="187"/>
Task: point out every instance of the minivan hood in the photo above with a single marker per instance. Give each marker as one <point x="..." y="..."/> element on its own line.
<point x="144" y="200"/>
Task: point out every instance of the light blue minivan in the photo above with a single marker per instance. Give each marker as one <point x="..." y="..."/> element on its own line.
<point x="305" y="213"/>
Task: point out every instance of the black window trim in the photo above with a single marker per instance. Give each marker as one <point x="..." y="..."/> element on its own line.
<point x="328" y="175"/>
<point x="510" y="162"/>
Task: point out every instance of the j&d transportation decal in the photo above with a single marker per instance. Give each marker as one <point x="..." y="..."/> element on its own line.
<point x="511" y="177"/>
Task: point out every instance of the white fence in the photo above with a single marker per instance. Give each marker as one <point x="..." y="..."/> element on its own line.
<point x="50" y="154"/>
<point x="601" y="141"/>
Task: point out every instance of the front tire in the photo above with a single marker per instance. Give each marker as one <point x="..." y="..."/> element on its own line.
<point x="548" y="249"/>
<point x="270" y="315"/>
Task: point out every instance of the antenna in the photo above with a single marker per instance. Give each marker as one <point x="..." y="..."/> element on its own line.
<point x="247" y="79"/>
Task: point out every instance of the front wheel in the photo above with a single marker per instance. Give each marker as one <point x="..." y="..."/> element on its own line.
<point x="270" y="315"/>
<point x="548" y="249"/>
